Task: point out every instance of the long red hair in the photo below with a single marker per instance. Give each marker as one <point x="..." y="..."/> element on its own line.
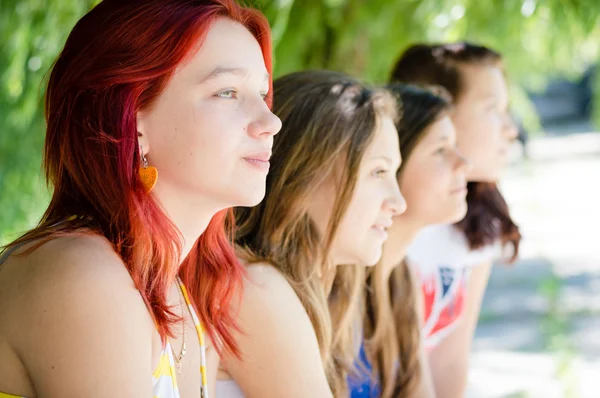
<point x="116" y="61"/>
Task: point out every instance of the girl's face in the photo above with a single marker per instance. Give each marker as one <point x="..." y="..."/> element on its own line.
<point x="375" y="200"/>
<point x="483" y="124"/>
<point x="209" y="133"/>
<point x="434" y="178"/>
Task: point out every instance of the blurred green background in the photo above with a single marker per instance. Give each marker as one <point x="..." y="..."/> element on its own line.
<point x="539" y="39"/>
<point x="537" y="336"/>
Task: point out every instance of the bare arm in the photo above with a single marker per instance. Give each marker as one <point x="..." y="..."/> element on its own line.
<point x="280" y="352"/>
<point x="427" y="389"/>
<point x="85" y="329"/>
<point x="427" y="386"/>
<point x="449" y="361"/>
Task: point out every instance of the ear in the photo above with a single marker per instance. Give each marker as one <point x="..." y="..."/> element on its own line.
<point x="143" y="141"/>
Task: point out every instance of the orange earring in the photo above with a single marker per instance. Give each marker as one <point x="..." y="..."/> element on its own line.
<point x="148" y="175"/>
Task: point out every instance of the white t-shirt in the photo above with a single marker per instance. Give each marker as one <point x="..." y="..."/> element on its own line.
<point x="441" y="257"/>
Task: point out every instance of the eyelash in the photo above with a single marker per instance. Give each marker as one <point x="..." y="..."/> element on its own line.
<point x="234" y="94"/>
<point x="220" y="94"/>
<point x="379" y="172"/>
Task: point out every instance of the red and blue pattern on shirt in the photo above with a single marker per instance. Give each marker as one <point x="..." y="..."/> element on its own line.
<point x="444" y="294"/>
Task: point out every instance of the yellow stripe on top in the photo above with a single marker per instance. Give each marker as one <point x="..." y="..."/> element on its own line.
<point x="4" y="395"/>
<point x="200" y="332"/>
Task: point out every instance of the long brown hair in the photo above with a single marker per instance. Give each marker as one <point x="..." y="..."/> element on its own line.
<point x="392" y="324"/>
<point x="488" y="219"/>
<point x="329" y="119"/>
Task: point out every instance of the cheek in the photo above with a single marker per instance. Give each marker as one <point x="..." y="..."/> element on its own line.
<point x="172" y="126"/>
<point x="212" y="136"/>
<point x="320" y="209"/>
<point x="361" y="213"/>
<point x="196" y="143"/>
<point x="425" y="188"/>
<point x="362" y="209"/>
<point x="414" y="191"/>
<point x="476" y="146"/>
<point x="214" y="129"/>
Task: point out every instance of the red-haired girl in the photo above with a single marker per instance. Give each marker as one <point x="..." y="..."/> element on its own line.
<point x="158" y="121"/>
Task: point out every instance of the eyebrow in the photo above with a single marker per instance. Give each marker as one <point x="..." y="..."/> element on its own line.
<point x="220" y="71"/>
<point x="386" y="158"/>
<point x="439" y="139"/>
<point x="486" y="95"/>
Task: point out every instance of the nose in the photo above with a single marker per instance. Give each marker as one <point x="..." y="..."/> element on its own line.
<point x="396" y="204"/>
<point x="265" y="125"/>
<point x="510" y="129"/>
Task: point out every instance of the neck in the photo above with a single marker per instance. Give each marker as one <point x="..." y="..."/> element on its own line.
<point x="189" y="215"/>
<point x="400" y="236"/>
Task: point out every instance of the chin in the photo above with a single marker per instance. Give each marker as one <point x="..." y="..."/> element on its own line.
<point x="452" y="217"/>
<point x="373" y="259"/>
<point x="244" y="201"/>
<point x="250" y="196"/>
<point x="460" y="214"/>
<point x="488" y="176"/>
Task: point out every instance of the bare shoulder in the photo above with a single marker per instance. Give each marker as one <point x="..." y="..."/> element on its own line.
<point x="72" y="295"/>
<point x="68" y="274"/>
<point x="81" y="267"/>
<point x="265" y="285"/>
<point x="265" y="275"/>
<point x="270" y="308"/>
<point x="75" y="256"/>
<point x="280" y="355"/>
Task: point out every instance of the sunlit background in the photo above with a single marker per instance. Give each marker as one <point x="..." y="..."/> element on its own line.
<point x="537" y="333"/>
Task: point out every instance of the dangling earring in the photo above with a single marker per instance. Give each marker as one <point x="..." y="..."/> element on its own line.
<point x="148" y="175"/>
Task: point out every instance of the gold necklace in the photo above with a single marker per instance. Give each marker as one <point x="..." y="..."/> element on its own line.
<point x="179" y="357"/>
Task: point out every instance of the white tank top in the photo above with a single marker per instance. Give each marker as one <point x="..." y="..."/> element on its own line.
<point x="442" y="259"/>
<point x="228" y="389"/>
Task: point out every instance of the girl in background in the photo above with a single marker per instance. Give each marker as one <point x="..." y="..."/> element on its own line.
<point x="453" y="261"/>
<point x="331" y="195"/>
<point x="433" y="180"/>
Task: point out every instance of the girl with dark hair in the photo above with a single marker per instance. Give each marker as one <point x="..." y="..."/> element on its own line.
<point x="453" y="261"/>
<point x="433" y="180"/>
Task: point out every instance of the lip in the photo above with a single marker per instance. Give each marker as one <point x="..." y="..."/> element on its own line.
<point x="385" y="224"/>
<point x="459" y="190"/>
<point x="381" y="231"/>
<point x="259" y="160"/>
<point x="381" y="228"/>
<point x="261" y="156"/>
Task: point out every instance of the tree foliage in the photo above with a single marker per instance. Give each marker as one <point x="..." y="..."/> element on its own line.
<point x="362" y="37"/>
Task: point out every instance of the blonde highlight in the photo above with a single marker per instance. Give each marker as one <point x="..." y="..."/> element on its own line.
<point x="328" y="118"/>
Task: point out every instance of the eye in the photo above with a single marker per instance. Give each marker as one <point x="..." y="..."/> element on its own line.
<point x="441" y="151"/>
<point x="494" y="107"/>
<point x="379" y="172"/>
<point x="227" y="94"/>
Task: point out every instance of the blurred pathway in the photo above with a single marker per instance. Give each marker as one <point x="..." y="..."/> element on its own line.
<point x="539" y="333"/>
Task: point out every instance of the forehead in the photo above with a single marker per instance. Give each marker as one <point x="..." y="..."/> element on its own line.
<point x="227" y="44"/>
<point x="482" y="80"/>
<point x="440" y="130"/>
<point x="385" y="140"/>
